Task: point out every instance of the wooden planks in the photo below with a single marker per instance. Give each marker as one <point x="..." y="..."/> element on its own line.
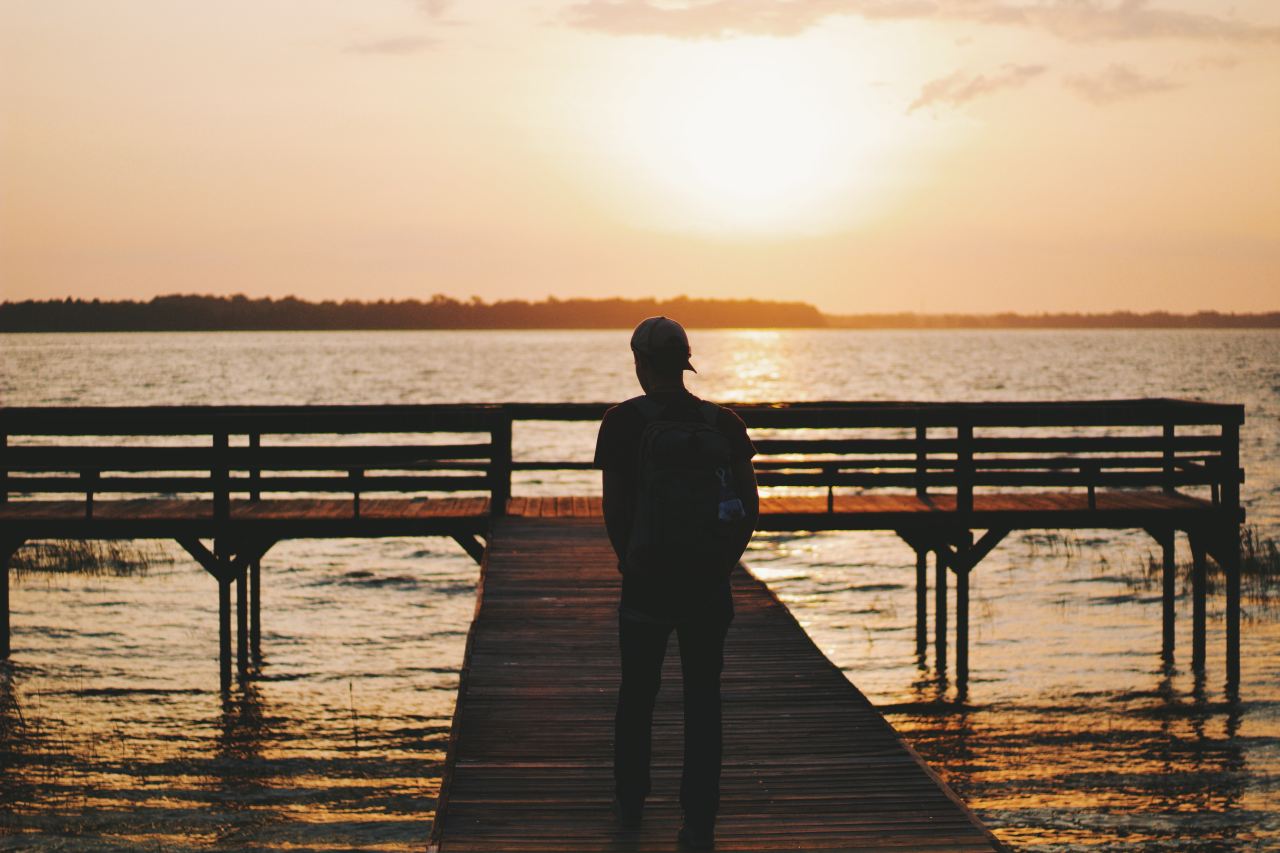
<point x="1114" y="509"/>
<point x="808" y="762"/>
<point x="281" y="518"/>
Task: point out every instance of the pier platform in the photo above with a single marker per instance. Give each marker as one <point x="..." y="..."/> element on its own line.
<point x="808" y="761"/>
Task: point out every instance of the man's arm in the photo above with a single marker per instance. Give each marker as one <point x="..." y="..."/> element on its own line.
<point x="619" y="510"/>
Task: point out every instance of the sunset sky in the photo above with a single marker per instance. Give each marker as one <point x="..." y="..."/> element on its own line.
<point x="863" y="155"/>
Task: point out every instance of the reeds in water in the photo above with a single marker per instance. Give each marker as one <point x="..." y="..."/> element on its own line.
<point x="1259" y="570"/>
<point x="88" y="557"/>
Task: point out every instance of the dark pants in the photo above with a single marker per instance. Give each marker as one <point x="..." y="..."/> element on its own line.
<point x="643" y="646"/>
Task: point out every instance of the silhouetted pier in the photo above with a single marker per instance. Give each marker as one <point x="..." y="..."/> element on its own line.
<point x="808" y="762"/>
<point x="952" y="480"/>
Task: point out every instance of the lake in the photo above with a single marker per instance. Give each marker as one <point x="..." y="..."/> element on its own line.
<point x="1073" y="734"/>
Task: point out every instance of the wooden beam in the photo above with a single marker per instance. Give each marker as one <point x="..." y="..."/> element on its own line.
<point x="469" y="543"/>
<point x="969" y="555"/>
<point x="200" y="554"/>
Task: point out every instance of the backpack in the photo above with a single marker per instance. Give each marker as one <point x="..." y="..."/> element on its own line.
<point x="687" y="515"/>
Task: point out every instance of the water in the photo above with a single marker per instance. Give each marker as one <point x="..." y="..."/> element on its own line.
<point x="113" y="734"/>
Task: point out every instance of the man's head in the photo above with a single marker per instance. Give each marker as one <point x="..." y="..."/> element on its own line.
<point x="661" y="350"/>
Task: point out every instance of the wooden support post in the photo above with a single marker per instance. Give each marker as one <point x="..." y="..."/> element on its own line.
<point x="1169" y="577"/>
<point x="7" y="549"/>
<point x="962" y="565"/>
<point x="1229" y="559"/>
<point x="4" y="471"/>
<point x="940" y="610"/>
<point x="242" y="621"/>
<point x="1197" y="602"/>
<point x="224" y="633"/>
<point x="227" y="563"/>
<point x="1167" y="458"/>
<point x="255" y="610"/>
<point x="500" y="465"/>
<point x="922" y="602"/>
<point x="5" y="647"/>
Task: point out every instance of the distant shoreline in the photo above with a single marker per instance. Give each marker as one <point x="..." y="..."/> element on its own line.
<point x="184" y="313"/>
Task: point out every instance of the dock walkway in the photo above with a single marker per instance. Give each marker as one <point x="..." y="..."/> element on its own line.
<point x="808" y="762"/>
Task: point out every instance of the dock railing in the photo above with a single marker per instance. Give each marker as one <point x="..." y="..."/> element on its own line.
<point x="925" y="448"/>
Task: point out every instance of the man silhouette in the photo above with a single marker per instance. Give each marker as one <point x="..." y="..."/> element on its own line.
<point x="698" y="605"/>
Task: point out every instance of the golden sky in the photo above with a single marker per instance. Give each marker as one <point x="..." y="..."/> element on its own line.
<point x="863" y="155"/>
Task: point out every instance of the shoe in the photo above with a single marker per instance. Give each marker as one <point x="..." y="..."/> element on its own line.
<point x="697" y="834"/>
<point x="627" y="815"/>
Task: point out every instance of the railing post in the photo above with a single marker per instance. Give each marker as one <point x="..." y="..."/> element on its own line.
<point x="964" y="468"/>
<point x="500" y="464"/>
<point x="922" y="461"/>
<point x="4" y="471"/>
<point x="1168" y="454"/>
<point x="255" y="442"/>
<point x="90" y="478"/>
<point x="1230" y="489"/>
<point x="220" y="476"/>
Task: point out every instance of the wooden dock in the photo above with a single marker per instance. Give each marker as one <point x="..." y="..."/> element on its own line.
<point x="951" y="479"/>
<point x="808" y="762"/>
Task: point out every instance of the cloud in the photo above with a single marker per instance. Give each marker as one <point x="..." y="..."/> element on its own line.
<point x="434" y="8"/>
<point x="1075" y="20"/>
<point x="962" y="87"/>
<point x="1118" y="83"/>
<point x="396" y="46"/>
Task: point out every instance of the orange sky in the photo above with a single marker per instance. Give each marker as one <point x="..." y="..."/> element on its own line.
<point x="863" y="155"/>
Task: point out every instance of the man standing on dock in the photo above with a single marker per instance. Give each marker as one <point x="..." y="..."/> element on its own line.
<point x="680" y="505"/>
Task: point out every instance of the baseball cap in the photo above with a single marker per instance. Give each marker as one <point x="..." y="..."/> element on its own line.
<point x="662" y="335"/>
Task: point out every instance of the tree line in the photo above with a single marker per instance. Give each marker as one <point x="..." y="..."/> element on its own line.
<point x="181" y="312"/>
<point x="227" y="313"/>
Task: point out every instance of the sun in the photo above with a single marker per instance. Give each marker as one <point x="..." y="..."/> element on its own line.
<point x="744" y="135"/>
